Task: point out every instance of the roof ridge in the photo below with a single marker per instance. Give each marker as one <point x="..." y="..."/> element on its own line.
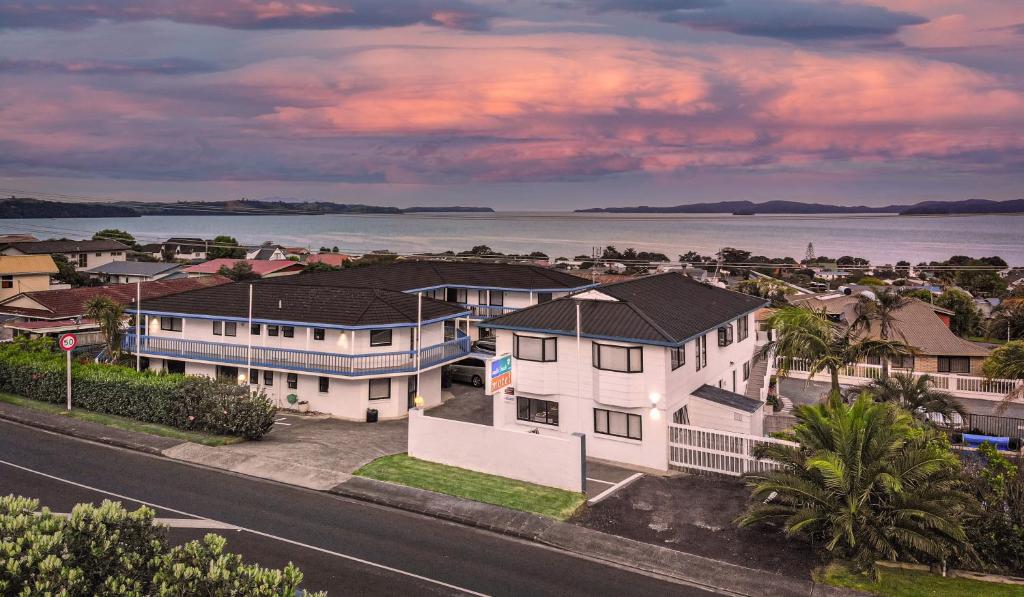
<point x="649" y="321"/>
<point x="379" y="294"/>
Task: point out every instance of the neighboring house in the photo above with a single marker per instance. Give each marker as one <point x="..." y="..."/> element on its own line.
<point x="52" y="312"/>
<point x="987" y="305"/>
<point x="154" y="250"/>
<point x="340" y="350"/>
<point x="264" y="269"/>
<point x="25" y="273"/>
<point x="186" y="248"/>
<point x="17" y="238"/>
<point x="485" y="289"/>
<point x="267" y="252"/>
<point x="649" y="352"/>
<point x="331" y="259"/>
<point x="82" y="254"/>
<point x="130" y="272"/>
<point x="299" y="251"/>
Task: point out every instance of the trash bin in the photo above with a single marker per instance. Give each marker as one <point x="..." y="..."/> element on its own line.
<point x="371" y="415"/>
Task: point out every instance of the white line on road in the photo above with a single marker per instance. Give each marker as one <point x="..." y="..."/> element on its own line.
<point x="253" y="531"/>
<point x="607" y="492"/>
<point x="601" y="481"/>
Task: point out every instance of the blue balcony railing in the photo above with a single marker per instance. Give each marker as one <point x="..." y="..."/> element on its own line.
<point x="380" y="363"/>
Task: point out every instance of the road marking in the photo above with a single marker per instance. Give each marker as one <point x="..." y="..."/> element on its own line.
<point x="180" y="523"/>
<point x="253" y="531"/>
<point x="607" y="492"/>
<point x="601" y="481"/>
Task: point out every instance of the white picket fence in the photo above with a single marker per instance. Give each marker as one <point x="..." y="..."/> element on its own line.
<point x="710" y="450"/>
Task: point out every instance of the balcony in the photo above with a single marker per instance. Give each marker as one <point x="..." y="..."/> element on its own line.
<point x="354" y="365"/>
<point x="488" y="311"/>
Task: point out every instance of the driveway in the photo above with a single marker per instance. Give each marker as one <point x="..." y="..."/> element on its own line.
<point x="468" y="404"/>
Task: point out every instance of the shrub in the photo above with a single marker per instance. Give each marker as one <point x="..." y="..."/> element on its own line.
<point x="186" y="402"/>
<point x="997" y="533"/>
<point x="107" y="550"/>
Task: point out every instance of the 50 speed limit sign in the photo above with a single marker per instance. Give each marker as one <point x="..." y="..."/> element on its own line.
<point x="68" y="342"/>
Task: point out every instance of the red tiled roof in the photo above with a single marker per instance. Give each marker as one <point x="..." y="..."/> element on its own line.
<point x="259" y="266"/>
<point x="331" y="259"/>
<point x="70" y="302"/>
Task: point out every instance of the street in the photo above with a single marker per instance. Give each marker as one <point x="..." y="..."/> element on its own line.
<point x="342" y="546"/>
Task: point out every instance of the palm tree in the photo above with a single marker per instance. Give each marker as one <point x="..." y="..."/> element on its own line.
<point x="880" y="309"/>
<point x="867" y="482"/>
<point x="1007" y="362"/>
<point x="916" y="394"/>
<point x="109" y="315"/>
<point x="808" y="335"/>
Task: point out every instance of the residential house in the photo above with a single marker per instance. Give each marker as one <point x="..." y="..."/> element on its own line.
<point x="267" y="252"/>
<point x="331" y="259"/>
<point x="17" y="238"/>
<point x="25" y="273"/>
<point x="339" y="350"/>
<point x="130" y="272"/>
<point x="264" y="269"/>
<point x="82" y="254"/>
<point x="185" y="248"/>
<point x="154" y="250"/>
<point x="53" y="312"/>
<point x="621" y="362"/>
<point x="485" y="289"/>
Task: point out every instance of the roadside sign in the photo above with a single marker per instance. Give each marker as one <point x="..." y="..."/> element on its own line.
<point x="68" y="342"/>
<point x="499" y="373"/>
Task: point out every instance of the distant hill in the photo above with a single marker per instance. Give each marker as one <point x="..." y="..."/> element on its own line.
<point x="24" y="207"/>
<point x="248" y="207"/>
<point x="967" y="206"/>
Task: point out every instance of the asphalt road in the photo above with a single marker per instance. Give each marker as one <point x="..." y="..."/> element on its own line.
<point x="343" y="546"/>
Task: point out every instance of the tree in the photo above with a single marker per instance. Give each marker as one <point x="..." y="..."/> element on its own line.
<point x="120" y="236"/>
<point x="481" y="250"/>
<point x="769" y="288"/>
<point x="1007" y="362"/>
<point x="693" y="257"/>
<point x="320" y="266"/>
<point x="880" y="311"/>
<point x="920" y="294"/>
<point x="966" y="316"/>
<point x="66" y="272"/>
<point x="109" y="315"/>
<point x="809" y="255"/>
<point x="732" y="255"/>
<point x="806" y="335"/>
<point x="916" y="394"/>
<point x="866" y="482"/>
<point x="225" y="247"/>
<point x="1008" y="320"/>
<point x="238" y="272"/>
<point x="871" y="281"/>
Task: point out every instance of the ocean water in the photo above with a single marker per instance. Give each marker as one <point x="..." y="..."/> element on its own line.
<point x="881" y="239"/>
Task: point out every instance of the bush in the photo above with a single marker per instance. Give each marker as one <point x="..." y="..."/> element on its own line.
<point x="107" y="550"/>
<point x="997" y="532"/>
<point x="31" y="369"/>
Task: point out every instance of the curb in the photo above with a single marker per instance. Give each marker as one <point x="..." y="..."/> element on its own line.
<point x="63" y="430"/>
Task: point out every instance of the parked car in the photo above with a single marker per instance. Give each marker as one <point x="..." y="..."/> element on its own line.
<point x="485" y="346"/>
<point x="471" y="370"/>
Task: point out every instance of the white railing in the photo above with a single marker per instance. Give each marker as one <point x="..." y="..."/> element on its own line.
<point x="710" y="450"/>
<point x="966" y="386"/>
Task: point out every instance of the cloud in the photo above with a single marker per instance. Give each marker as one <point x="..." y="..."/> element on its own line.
<point x="248" y="14"/>
<point x="164" y="66"/>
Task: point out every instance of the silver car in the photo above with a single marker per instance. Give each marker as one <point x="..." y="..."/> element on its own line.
<point x="471" y="370"/>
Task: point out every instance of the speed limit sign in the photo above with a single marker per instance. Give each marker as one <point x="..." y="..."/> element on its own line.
<point x="68" y="342"/>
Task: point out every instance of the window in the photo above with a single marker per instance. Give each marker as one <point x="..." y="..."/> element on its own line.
<point x="83" y="260"/>
<point x="115" y="253"/>
<point x="268" y="378"/>
<point x="873" y="360"/>
<point x="254" y="329"/>
<point x="230" y="328"/>
<point x="272" y="330"/>
<point x="287" y="331"/>
<point x="175" y="366"/>
<point x="319" y="333"/>
<point x="678" y="356"/>
<point x="497" y="298"/>
<point x="610" y="422"/>
<point x="6" y="281"/>
<point x="455" y="295"/>
<point x="530" y="348"/>
<point x="903" y="362"/>
<point x="325" y="385"/>
<point x="700" y="353"/>
<point x="481" y="297"/>
<point x="144" y="363"/>
<point x="170" y="324"/>
<point x="627" y="359"/>
<point x="254" y="376"/>
<point x="217" y="328"/>
<point x="380" y="389"/>
<point x="293" y="381"/>
<point x="746" y="371"/>
<point x="227" y="373"/>
<point x="742" y="328"/>
<point x="725" y="335"/>
<point x="537" y="411"/>
<point x="954" y="365"/>
<point x="543" y="297"/>
<point x="380" y="337"/>
<point x="99" y="254"/>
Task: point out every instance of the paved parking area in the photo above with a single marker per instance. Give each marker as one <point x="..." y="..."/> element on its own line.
<point x="604" y="479"/>
<point x="468" y="404"/>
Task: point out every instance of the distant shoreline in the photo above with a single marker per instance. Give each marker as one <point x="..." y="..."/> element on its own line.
<point x="749" y="208"/>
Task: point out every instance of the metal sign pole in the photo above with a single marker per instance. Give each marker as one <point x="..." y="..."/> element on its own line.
<point x="68" y="353"/>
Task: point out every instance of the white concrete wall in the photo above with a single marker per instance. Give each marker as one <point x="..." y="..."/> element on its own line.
<point x="554" y="461"/>
<point x="711" y="415"/>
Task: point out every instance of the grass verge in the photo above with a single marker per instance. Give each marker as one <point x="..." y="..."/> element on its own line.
<point x="898" y="582"/>
<point x="481" y="487"/>
<point x="987" y="339"/>
<point x="207" y="439"/>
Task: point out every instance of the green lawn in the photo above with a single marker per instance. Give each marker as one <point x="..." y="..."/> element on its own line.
<point x="481" y="487"/>
<point x="987" y="340"/>
<point x="898" y="582"/>
<point x="198" y="437"/>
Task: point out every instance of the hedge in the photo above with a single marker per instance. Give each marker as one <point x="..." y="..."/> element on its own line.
<point x="33" y="370"/>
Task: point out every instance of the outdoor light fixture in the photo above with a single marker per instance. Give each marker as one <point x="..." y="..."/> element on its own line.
<point x="655" y="397"/>
<point x="241" y="378"/>
<point x="418" y="401"/>
<point x="655" y="414"/>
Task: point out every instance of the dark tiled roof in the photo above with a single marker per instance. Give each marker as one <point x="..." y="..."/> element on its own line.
<point x="727" y="398"/>
<point x="292" y="302"/>
<point x="70" y="302"/>
<point x="666" y="308"/>
<point x="65" y="246"/>
<point x="411" y="275"/>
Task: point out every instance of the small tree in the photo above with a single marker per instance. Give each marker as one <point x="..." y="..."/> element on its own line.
<point x="109" y="315"/>
<point x="120" y="236"/>
<point x="225" y="247"/>
<point x="916" y="394"/>
<point x="1007" y="362"/>
<point x="966" y="316"/>
<point x="880" y="312"/>
<point x="238" y="272"/>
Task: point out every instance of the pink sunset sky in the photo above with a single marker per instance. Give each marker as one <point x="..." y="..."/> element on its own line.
<point x="523" y="104"/>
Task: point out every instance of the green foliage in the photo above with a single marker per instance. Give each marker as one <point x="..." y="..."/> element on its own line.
<point x="120" y="236"/>
<point x="225" y="246"/>
<point x="920" y="294"/>
<point x="66" y="272"/>
<point x="185" y="402"/>
<point x="239" y="272"/>
<point x="966" y="317"/>
<point x="867" y="483"/>
<point x="107" y="550"/>
<point x="768" y="288"/>
<point x="871" y="281"/>
<point x="1007" y="362"/>
<point x="916" y="394"/>
<point x="109" y="315"/>
<point x="1008" y="319"/>
<point x="997" y="533"/>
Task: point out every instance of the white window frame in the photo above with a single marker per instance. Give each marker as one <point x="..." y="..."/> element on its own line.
<point x="596" y="357"/>
<point x="548" y="348"/>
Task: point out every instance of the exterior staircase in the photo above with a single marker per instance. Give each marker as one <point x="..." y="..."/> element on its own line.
<point x="758" y="378"/>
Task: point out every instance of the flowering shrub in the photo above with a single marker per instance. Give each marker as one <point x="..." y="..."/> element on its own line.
<point x="32" y="369"/>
